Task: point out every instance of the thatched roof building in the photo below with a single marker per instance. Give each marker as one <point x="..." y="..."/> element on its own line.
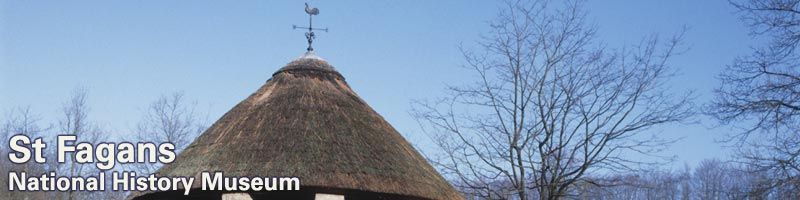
<point x="307" y="122"/>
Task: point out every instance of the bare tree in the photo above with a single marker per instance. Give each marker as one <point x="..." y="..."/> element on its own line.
<point x="649" y="184"/>
<point x="76" y="122"/>
<point x="169" y="119"/>
<point x="21" y="121"/>
<point x="166" y="115"/>
<point x="550" y="105"/>
<point x="686" y="184"/>
<point x="761" y="92"/>
<point x="711" y="179"/>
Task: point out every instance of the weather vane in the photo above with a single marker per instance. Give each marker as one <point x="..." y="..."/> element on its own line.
<point x="310" y="34"/>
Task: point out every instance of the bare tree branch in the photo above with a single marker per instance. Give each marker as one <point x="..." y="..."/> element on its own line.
<point x="549" y="106"/>
<point x="760" y="93"/>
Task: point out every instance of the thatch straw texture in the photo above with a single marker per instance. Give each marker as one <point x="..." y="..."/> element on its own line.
<point x="308" y="123"/>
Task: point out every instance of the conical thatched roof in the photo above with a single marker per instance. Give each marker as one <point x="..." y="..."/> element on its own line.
<point x="308" y="123"/>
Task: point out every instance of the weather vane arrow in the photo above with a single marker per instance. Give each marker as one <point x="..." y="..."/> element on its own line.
<point x="311" y="11"/>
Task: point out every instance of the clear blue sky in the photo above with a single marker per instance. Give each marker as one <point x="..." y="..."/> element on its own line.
<point x="127" y="53"/>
